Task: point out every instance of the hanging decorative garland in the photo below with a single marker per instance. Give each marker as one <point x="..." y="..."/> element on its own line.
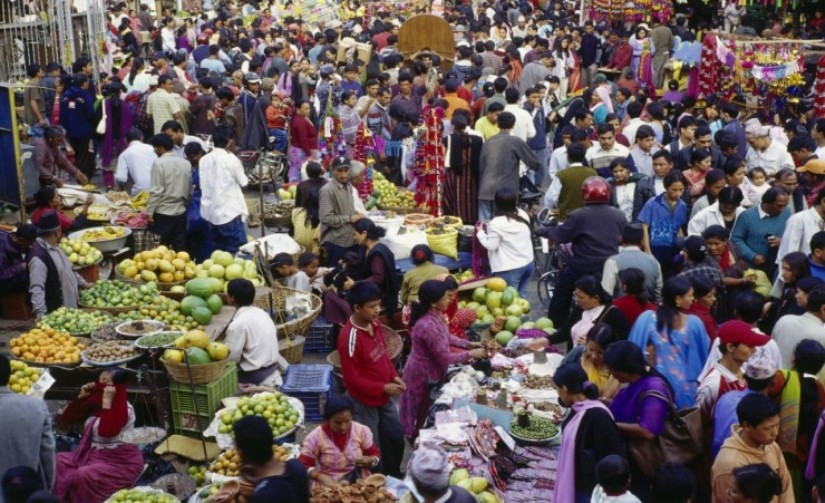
<point x="365" y="151"/>
<point x="819" y="89"/>
<point x="331" y="142"/>
<point x="429" y="162"/>
<point x="632" y="11"/>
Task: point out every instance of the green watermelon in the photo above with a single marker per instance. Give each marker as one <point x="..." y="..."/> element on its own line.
<point x="199" y="287"/>
<point x="214" y="303"/>
<point x="202" y="315"/>
<point x="189" y="303"/>
<point x="197" y="356"/>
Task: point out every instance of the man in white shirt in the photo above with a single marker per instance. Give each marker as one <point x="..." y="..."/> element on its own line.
<point x="252" y="338"/>
<point x="792" y="329"/>
<point x="524" y="127"/>
<point x="634" y="112"/>
<point x="801" y="227"/>
<point x="600" y="156"/>
<point x="175" y="131"/>
<point x="818" y="134"/>
<point x="641" y="156"/>
<point x="765" y="152"/>
<point x="558" y="159"/>
<point x="135" y="163"/>
<point x="222" y="204"/>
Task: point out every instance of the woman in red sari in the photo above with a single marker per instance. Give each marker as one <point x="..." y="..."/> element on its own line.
<point x="102" y="464"/>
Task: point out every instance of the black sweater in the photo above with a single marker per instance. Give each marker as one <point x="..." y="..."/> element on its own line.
<point x="596" y="438"/>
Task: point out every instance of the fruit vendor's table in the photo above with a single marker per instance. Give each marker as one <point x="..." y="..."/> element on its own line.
<point x="464" y="261"/>
<point x="148" y="388"/>
<point x="219" y="322"/>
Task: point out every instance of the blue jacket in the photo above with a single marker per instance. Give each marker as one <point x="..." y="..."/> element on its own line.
<point x="77" y="113"/>
<point x="539" y="141"/>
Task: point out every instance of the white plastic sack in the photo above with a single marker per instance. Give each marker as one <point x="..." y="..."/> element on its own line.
<point x="403" y="240"/>
<point x="272" y="245"/>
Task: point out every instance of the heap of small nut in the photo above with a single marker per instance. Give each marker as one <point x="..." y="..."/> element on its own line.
<point x="369" y="490"/>
<point x="111" y="351"/>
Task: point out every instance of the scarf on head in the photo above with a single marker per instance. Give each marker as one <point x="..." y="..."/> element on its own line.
<point x="565" y="489"/>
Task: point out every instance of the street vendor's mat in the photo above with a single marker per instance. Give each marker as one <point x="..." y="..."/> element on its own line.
<point x="189" y="448"/>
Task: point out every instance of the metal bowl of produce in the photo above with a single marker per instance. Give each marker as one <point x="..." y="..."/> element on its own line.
<point x="158" y="340"/>
<point x="108" y="238"/>
<point x="139" y="328"/>
<point x="541" y="431"/>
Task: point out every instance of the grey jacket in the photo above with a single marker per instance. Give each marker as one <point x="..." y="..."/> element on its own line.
<point x="26" y="437"/>
<point x="499" y="165"/>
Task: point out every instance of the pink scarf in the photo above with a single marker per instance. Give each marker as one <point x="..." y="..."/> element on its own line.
<point x="565" y="489"/>
<point x="811" y="468"/>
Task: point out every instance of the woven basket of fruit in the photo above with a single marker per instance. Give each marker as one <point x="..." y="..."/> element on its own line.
<point x="46" y="348"/>
<point x="449" y="222"/>
<point x="201" y="374"/>
<point x="278" y="214"/>
<point x="419" y="219"/>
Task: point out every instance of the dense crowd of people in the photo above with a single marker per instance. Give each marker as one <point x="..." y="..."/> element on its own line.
<point x="693" y="270"/>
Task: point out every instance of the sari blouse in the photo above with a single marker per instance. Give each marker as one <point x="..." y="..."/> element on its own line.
<point x="631" y="406"/>
<point x="322" y="452"/>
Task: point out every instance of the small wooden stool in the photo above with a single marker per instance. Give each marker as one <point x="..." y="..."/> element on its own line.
<point x="15" y="306"/>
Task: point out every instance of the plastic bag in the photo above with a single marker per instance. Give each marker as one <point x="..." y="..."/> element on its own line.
<point x="445" y="243"/>
<point x="762" y="285"/>
<point x="402" y="240"/>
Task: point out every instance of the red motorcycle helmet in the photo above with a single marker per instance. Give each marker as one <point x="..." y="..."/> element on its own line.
<point x="595" y="190"/>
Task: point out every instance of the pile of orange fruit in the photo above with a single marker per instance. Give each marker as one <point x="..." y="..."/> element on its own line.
<point x="229" y="462"/>
<point x="47" y="346"/>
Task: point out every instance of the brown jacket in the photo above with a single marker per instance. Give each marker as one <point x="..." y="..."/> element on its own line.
<point x="736" y="453"/>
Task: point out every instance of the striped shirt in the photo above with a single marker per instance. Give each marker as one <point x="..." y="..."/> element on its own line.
<point x="162" y="106"/>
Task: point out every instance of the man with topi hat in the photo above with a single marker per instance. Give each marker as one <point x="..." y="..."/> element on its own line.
<point x="428" y="478"/>
<point x="52" y="281"/>
<point x="765" y="152"/>
<point x="14" y="272"/>
<point x="759" y="376"/>
<point x="814" y="173"/>
<point x="337" y="212"/>
<point x="737" y="343"/>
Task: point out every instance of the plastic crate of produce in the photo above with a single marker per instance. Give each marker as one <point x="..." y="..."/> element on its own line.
<point x="312" y="385"/>
<point x="188" y="425"/>
<point x="208" y="396"/>
<point x="318" y="338"/>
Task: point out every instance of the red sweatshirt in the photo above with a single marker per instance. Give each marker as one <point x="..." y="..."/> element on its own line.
<point x="365" y="363"/>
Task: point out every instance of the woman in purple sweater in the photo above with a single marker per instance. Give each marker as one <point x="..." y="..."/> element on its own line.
<point x="430" y="355"/>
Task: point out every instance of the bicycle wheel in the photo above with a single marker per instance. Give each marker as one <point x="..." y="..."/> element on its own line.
<point x="546" y="285"/>
<point x="541" y="260"/>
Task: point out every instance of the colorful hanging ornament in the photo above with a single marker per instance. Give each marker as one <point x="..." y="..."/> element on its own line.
<point x="819" y="89"/>
<point x="429" y="162"/>
<point x="331" y="141"/>
<point x="365" y="151"/>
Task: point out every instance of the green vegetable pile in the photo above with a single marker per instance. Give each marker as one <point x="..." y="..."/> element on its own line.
<point x="163" y="309"/>
<point x="114" y="293"/>
<point x="539" y="429"/>
<point x="74" y="321"/>
<point x="158" y="340"/>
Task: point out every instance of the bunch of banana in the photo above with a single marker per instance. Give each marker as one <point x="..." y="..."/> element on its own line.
<point x="140" y="200"/>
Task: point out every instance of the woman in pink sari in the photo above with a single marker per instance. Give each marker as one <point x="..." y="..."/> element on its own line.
<point x="102" y="464"/>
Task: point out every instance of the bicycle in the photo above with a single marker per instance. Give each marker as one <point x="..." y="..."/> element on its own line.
<point x="555" y="260"/>
<point x="530" y="199"/>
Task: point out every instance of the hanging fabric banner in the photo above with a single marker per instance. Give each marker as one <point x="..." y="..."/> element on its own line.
<point x="765" y="73"/>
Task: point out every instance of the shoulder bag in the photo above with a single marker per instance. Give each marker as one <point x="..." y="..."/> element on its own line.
<point x="680" y="442"/>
